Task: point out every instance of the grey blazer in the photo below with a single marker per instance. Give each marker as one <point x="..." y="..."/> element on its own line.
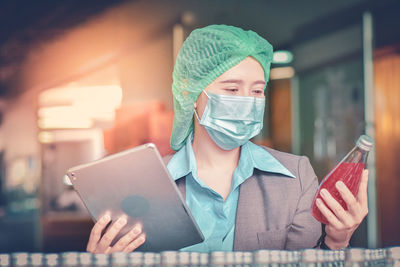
<point x="274" y="211"/>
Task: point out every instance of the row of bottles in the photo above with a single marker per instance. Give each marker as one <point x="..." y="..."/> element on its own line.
<point x="307" y="257"/>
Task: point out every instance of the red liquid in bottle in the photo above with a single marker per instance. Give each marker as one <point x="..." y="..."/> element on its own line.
<point x="350" y="174"/>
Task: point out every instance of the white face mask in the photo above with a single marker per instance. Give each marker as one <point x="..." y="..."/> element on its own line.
<point x="231" y="121"/>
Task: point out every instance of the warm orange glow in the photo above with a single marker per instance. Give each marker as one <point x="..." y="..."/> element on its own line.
<point x="281" y="73"/>
<point x="387" y="137"/>
<point x="72" y="123"/>
<point x="46" y="137"/>
<point x="78" y="107"/>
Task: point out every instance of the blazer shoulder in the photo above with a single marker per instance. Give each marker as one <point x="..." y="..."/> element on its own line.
<point x="282" y="156"/>
<point x="288" y="160"/>
<point x="299" y="166"/>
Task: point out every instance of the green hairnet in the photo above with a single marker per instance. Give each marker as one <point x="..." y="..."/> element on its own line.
<point x="206" y="54"/>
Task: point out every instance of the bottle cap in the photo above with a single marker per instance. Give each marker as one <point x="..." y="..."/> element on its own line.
<point x="365" y="142"/>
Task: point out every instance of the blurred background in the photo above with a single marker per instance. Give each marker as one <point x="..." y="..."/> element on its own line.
<point x="83" y="79"/>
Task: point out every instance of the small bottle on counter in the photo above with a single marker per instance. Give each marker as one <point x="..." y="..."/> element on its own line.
<point x="5" y="260"/>
<point x="247" y="259"/>
<point x="354" y="257"/>
<point x="184" y="259"/>
<point x="393" y="257"/>
<point x="333" y="258"/>
<point x="69" y="259"/>
<point x="151" y="259"/>
<point x="375" y="257"/>
<point x="292" y="258"/>
<point x="119" y="259"/>
<point x="36" y="259"/>
<point x="261" y="257"/>
<point x="310" y="258"/>
<point x="20" y="259"/>
<point x="238" y="258"/>
<point x="194" y="259"/>
<point x="101" y="260"/>
<point x="135" y="258"/>
<point x="217" y="259"/>
<point x="169" y="258"/>
<point x="85" y="259"/>
<point x="51" y="259"/>
<point x="204" y="259"/>
<point x="229" y="259"/>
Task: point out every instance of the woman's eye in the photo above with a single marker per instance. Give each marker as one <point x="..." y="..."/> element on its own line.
<point x="231" y="90"/>
<point x="258" y="92"/>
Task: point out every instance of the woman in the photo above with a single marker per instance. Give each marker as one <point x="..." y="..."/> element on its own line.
<point x="243" y="196"/>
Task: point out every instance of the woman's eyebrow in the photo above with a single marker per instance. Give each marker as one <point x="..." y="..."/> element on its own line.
<point x="232" y="81"/>
<point x="241" y="81"/>
<point x="259" y="82"/>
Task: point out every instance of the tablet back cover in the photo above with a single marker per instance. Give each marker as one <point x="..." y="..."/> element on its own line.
<point x="135" y="182"/>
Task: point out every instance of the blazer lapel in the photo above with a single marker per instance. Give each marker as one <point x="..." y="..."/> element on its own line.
<point x="240" y="220"/>
<point x="249" y="215"/>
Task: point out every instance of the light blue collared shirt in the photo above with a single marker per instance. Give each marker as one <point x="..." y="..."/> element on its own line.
<point x="216" y="217"/>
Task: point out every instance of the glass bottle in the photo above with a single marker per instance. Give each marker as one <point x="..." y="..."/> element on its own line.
<point x="229" y="259"/>
<point x="309" y="258"/>
<point x="247" y="259"/>
<point x="36" y="259"/>
<point x="375" y="257"/>
<point x="169" y="258"/>
<point x="119" y="259"/>
<point x="238" y="258"/>
<point x="195" y="259"/>
<point x="217" y="259"/>
<point x="136" y="258"/>
<point x="5" y="260"/>
<point x="69" y="259"/>
<point x="101" y="260"/>
<point x="20" y="259"/>
<point x="204" y="259"/>
<point x="355" y="257"/>
<point x="85" y="259"/>
<point x="51" y="259"/>
<point x="393" y="257"/>
<point x="183" y="258"/>
<point x="152" y="258"/>
<point x="349" y="171"/>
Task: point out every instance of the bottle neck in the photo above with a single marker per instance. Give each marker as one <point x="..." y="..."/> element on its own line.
<point x="357" y="155"/>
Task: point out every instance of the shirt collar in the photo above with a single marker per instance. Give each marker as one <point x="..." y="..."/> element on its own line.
<point x="182" y="162"/>
<point x="261" y="159"/>
<point x="251" y="156"/>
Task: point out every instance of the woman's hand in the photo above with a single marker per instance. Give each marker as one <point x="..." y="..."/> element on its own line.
<point x="127" y="243"/>
<point x="343" y="223"/>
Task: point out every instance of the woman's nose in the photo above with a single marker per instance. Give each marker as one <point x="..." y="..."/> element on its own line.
<point x="247" y="92"/>
<point x="244" y="92"/>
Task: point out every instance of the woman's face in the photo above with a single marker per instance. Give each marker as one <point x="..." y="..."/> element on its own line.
<point x="244" y="79"/>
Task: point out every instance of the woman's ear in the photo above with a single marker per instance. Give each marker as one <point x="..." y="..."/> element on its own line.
<point x="195" y="104"/>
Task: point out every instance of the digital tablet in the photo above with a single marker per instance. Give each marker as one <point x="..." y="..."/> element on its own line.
<point x="137" y="183"/>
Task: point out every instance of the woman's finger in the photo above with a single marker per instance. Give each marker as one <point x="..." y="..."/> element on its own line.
<point x="341" y="214"/>
<point x="124" y="241"/>
<point x="95" y="234"/>
<point x="111" y="233"/>
<point x="362" y="195"/>
<point x="135" y="243"/>
<point x="348" y="197"/>
<point x="328" y="214"/>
